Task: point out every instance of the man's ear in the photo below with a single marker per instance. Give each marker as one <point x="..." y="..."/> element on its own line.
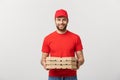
<point x="68" y="20"/>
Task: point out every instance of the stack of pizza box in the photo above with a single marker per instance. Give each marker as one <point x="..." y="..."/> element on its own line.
<point x="61" y="63"/>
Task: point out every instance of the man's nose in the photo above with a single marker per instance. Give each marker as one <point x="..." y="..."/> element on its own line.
<point x="61" y="21"/>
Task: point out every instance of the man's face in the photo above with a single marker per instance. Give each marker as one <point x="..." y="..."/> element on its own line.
<point x="61" y="23"/>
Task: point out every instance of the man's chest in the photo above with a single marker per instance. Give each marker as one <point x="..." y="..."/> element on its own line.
<point x="62" y="44"/>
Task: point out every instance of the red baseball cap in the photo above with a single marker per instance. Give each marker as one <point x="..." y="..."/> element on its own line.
<point x="61" y="12"/>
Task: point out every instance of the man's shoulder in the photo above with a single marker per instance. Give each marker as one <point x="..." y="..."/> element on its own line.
<point x="50" y="34"/>
<point x="73" y="34"/>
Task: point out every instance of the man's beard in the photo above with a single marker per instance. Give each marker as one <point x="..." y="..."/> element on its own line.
<point x="62" y="30"/>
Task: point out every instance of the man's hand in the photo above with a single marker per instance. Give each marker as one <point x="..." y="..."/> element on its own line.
<point x="79" y="63"/>
<point x="43" y="62"/>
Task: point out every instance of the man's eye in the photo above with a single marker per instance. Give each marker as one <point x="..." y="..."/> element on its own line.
<point x="64" y="19"/>
<point x="58" y="19"/>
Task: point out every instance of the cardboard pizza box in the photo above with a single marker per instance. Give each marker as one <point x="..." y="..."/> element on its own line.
<point x="61" y="63"/>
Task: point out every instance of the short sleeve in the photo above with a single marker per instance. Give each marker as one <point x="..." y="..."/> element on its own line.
<point x="78" y="45"/>
<point x="45" y="46"/>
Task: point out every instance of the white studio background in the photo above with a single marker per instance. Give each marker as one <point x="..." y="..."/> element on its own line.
<point x="24" y="23"/>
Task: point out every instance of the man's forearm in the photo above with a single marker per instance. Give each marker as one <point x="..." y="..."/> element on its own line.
<point x="80" y="58"/>
<point x="43" y="60"/>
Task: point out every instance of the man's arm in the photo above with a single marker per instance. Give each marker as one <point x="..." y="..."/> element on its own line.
<point x="43" y="60"/>
<point x="80" y="58"/>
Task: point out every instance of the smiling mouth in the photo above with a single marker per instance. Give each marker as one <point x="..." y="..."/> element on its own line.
<point x="61" y="25"/>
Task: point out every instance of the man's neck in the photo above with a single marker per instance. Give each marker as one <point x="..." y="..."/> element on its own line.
<point x="61" y="32"/>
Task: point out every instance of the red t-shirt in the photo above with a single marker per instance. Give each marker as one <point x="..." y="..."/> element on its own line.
<point x="62" y="45"/>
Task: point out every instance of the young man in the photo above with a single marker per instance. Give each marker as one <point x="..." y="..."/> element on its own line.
<point x="62" y="43"/>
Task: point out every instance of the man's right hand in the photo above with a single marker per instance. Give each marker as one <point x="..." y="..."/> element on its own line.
<point x="44" y="64"/>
